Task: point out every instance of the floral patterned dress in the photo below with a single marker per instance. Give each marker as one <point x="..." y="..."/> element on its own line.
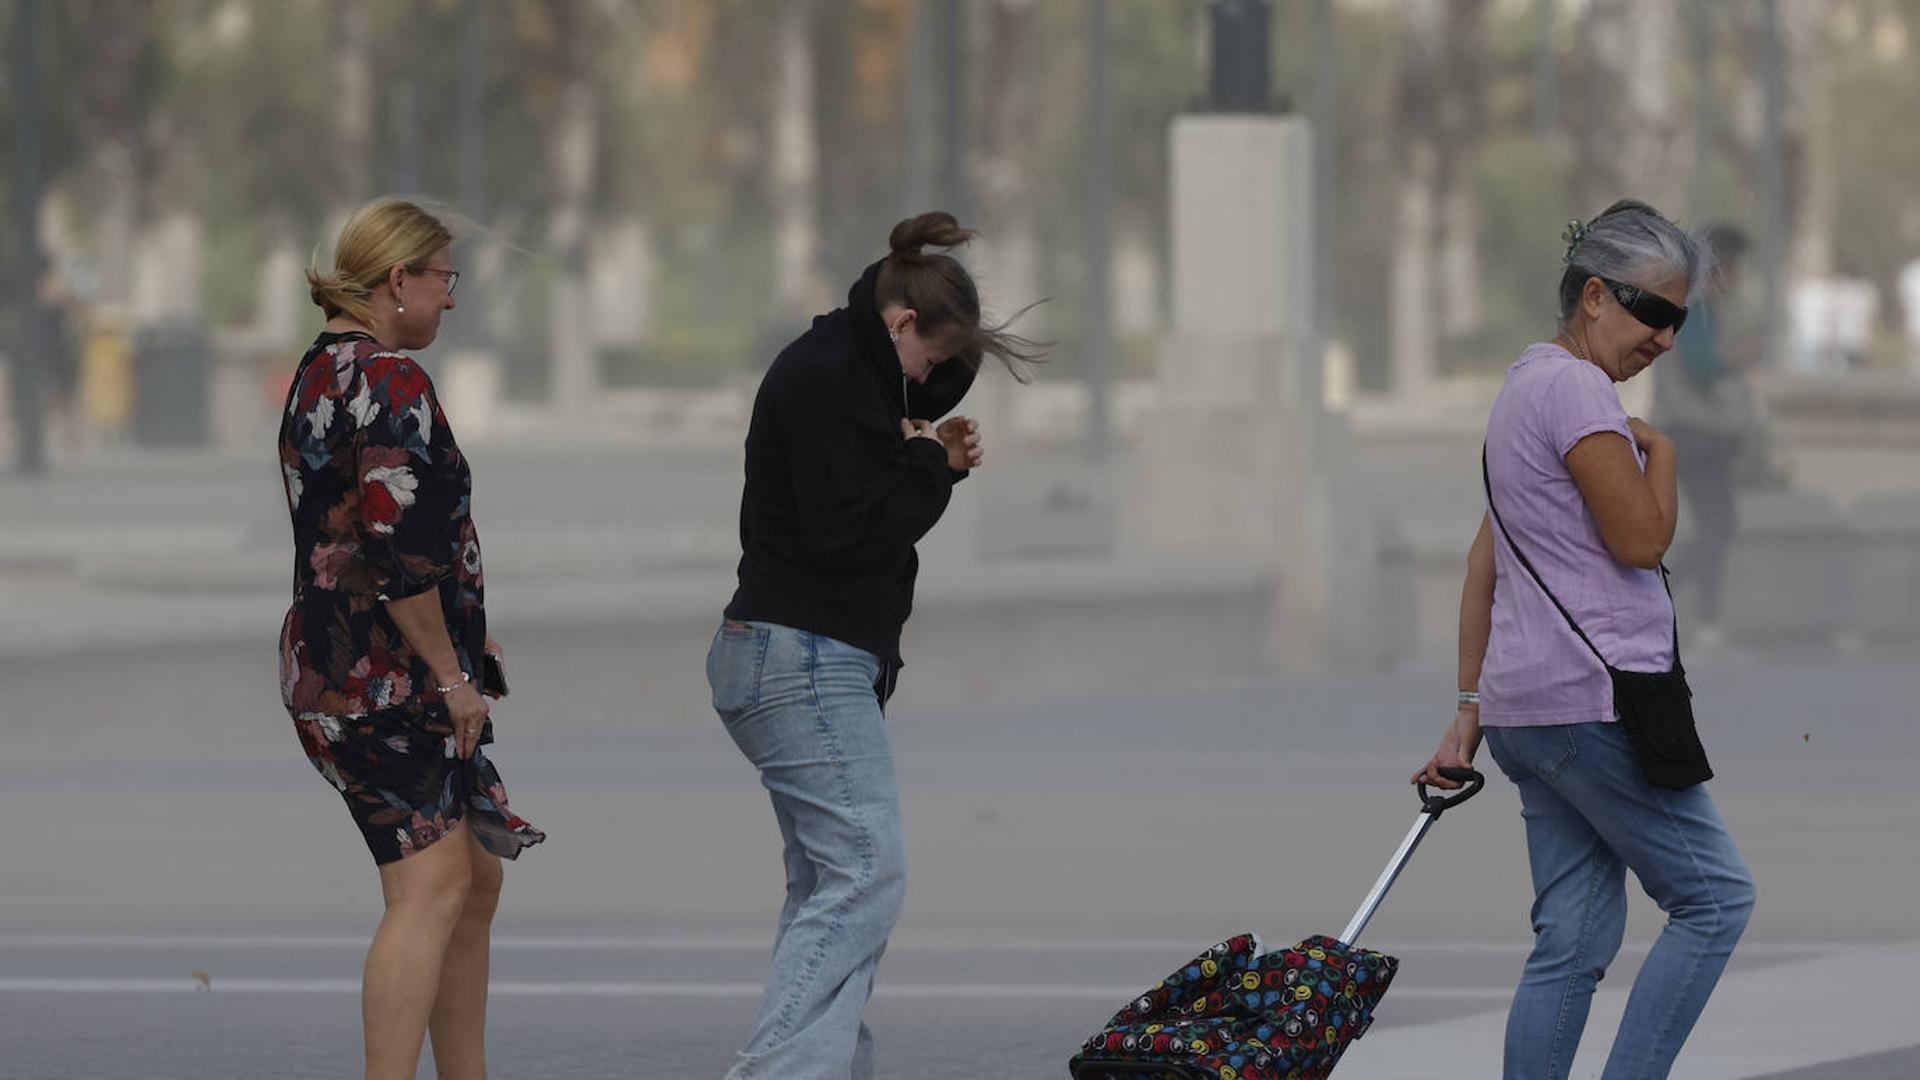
<point x="380" y="495"/>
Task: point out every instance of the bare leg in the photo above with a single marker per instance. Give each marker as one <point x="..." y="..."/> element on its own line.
<point x="459" y="1021"/>
<point x="425" y="894"/>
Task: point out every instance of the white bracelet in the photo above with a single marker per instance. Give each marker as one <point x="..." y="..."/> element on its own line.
<point x="464" y="680"/>
<point x="1467" y="697"/>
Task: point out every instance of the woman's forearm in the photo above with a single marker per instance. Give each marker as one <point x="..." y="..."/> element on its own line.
<point x="1476" y="607"/>
<point x="424" y="626"/>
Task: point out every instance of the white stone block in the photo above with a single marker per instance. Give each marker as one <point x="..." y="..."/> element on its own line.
<point x="472" y="387"/>
<point x="1242" y="224"/>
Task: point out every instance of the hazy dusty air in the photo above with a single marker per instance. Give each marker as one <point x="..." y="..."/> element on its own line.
<point x="1176" y="645"/>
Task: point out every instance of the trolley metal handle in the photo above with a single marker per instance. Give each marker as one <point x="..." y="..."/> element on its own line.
<point x="1431" y="807"/>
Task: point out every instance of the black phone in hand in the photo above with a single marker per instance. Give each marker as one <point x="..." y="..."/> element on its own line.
<point x="493" y="676"/>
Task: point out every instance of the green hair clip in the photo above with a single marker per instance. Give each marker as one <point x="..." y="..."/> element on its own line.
<point x="1573" y="234"/>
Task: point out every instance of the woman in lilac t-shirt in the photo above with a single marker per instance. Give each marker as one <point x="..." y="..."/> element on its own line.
<point x="1588" y="495"/>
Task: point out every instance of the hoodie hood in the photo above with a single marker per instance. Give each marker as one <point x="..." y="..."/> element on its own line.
<point x="945" y="386"/>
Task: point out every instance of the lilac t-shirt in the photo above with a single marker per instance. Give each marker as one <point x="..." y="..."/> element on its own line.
<point x="1536" y="670"/>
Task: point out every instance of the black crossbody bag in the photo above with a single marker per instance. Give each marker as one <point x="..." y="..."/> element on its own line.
<point x="1654" y="707"/>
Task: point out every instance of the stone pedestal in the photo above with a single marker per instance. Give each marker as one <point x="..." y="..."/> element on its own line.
<point x="472" y="386"/>
<point x="1238" y="457"/>
<point x="167" y="262"/>
<point x="242" y="417"/>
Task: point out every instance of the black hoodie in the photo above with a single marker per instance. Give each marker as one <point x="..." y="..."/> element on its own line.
<point x="835" y="495"/>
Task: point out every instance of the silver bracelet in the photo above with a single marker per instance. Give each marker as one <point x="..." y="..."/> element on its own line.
<point x="1467" y="697"/>
<point x="464" y="680"/>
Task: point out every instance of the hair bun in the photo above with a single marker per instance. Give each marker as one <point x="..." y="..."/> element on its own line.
<point x="329" y="290"/>
<point x="935" y="227"/>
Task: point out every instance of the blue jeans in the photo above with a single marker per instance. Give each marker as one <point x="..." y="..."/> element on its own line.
<point x="1590" y="818"/>
<point x="804" y="711"/>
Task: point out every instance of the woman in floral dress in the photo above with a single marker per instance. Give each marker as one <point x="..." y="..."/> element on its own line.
<point x="383" y="653"/>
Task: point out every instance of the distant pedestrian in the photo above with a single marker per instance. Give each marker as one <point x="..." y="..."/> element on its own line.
<point x="1564" y="604"/>
<point x="845" y="471"/>
<point x="1705" y="403"/>
<point x="385" y="651"/>
<point x="65" y="327"/>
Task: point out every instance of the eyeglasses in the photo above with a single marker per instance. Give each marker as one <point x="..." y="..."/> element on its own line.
<point x="1656" y="312"/>
<point x="453" y="276"/>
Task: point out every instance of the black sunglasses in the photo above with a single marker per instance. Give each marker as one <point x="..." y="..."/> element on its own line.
<point x="1655" y="311"/>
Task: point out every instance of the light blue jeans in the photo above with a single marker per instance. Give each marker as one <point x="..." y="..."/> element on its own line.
<point x="1590" y="818"/>
<point x="804" y="711"/>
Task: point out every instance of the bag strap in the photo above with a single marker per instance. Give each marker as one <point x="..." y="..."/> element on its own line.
<point x="1486" y="481"/>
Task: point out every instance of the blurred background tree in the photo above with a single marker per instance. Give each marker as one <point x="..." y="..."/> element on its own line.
<point x="669" y="188"/>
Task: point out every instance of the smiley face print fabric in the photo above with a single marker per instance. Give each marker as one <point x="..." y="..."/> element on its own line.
<point x="1237" y="1013"/>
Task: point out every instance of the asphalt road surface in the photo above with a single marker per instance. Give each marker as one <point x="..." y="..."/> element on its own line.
<point x="157" y="821"/>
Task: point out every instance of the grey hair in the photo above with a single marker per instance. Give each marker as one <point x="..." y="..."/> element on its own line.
<point x="1632" y="243"/>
